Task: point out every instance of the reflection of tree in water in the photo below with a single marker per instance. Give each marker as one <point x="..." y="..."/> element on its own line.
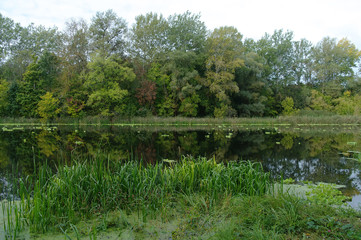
<point x="48" y="142"/>
<point x="167" y="145"/>
<point x="298" y="155"/>
<point x="188" y="143"/>
<point x="146" y="152"/>
<point x="4" y="156"/>
<point x="287" y="141"/>
<point x="308" y="158"/>
<point x="222" y="145"/>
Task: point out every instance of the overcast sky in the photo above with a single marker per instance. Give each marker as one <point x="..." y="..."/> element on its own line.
<point x="310" y="19"/>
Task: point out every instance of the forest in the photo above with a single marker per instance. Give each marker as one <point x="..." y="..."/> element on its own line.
<point x="171" y="66"/>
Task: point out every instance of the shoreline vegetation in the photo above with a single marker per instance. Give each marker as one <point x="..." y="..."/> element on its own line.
<point x="196" y="198"/>
<point x="331" y="120"/>
<point x="171" y="66"/>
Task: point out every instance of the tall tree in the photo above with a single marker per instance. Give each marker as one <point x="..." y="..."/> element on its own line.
<point x="74" y="60"/>
<point x="186" y="39"/>
<point x="333" y="63"/>
<point x="277" y="50"/>
<point x="9" y="34"/>
<point x="186" y="32"/>
<point x="76" y="45"/>
<point x="252" y="96"/>
<point x="148" y="39"/>
<point x="107" y="34"/>
<point x="30" y="90"/>
<point x="105" y="83"/>
<point x="301" y="67"/>
<point x="31" y="41"/>
<point x="224" y="51"/>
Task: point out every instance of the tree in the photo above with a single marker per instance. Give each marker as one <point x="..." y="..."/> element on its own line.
<point x="251" y="98"/>
<point x="48" y="106"/>
<point x="288" y="106"/>
<point x="9" y="33"/>
<point x="333" y="62"/>
<point x="224" y="49"/>
<point x="4" y="96"/>
<point x="76" y="47"/>
<point x="186" y="32"/>
<point x="278" y="53"/>
<point x="146" y="93"/>
<point x="148" y="41"/>
<point x="74" y="106"/>
<point x="104" y="82"/>
<point x="107" y="34"/>
<point x="29" y="92"/>
<point x="164" y="101"/>
<point x="31" y="41"/>
<point x="186" y="39"/>
<point x="320" y="102"/>
<point x="301" y="64"/>
<point x="40" y="76"/>
<point x="184" y="80"/>
<point x="49" y="67"/>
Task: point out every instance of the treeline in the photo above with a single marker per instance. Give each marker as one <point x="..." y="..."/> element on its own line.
<point x="170" y="66"/>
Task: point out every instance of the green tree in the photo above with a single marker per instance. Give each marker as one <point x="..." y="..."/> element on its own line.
<point x="301" y="63"/>
<point x="224" y="49"/>
<point x="165" y="102"/>
<point x="288" y="106"/>
<point x="252" y="95"/>
<point x="9" y="34"/>
<point x="149" y="38"/>
<point x="4" y="97"/>
<point x="74" y="60"/>
<point x="49" y="67"/>
<point x="278" y="53"/>
<point x="40" y="76"/>
<point x="186" y="32"/>
<point x="333" y="63"/>
<point x="104" y="82"/>
<point x="107" y="34"/>
<point x="320" y="101"/>
<point x="186" y="37"/>
<point x="31" y="41"/>
<point x="29" y="92"/>
<point x="48" y="106"/>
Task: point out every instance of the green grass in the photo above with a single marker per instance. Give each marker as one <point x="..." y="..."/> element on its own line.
<point x="232" y="217"/>
<point x="195" y="198"/>
<point x="309" y="119"/>
<point x="89" y="188"/>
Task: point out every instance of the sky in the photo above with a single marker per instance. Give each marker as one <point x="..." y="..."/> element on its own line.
<point x="309" y="19"/>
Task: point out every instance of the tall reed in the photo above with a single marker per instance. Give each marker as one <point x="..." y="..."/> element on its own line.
<point x="95" y="187"/>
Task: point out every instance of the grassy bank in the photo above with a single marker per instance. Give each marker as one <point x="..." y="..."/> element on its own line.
<point x="193" y="199"/>
<point x="312" y="120"/>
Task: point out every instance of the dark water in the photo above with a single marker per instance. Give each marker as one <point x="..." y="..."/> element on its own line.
<point x="318" y="155"/>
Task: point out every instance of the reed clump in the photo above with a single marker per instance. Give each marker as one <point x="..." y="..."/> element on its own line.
<point x="96" y="187"/>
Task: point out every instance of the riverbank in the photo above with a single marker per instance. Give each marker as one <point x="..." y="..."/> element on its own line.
<point x="312" y="120"/>
<point x="192" y="199"/>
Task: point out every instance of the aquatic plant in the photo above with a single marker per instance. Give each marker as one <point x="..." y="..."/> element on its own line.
<point x="88" y="188"/>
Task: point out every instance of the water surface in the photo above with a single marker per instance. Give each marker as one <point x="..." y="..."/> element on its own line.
<point x="309" y="154"/>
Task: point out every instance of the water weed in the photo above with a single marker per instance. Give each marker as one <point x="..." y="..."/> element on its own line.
<point x="96" y="187"/>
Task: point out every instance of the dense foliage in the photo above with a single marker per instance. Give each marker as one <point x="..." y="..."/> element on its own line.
<point x="170" y="67"/>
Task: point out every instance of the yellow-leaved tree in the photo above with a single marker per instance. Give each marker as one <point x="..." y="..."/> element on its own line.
<point x="48" y="107"/>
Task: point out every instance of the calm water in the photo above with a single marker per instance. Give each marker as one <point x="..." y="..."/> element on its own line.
<point x="319" y="155"/>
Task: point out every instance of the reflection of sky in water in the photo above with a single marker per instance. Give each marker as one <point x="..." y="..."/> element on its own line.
<point x="356" y="202"/>
<point x="356" y="181"/>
